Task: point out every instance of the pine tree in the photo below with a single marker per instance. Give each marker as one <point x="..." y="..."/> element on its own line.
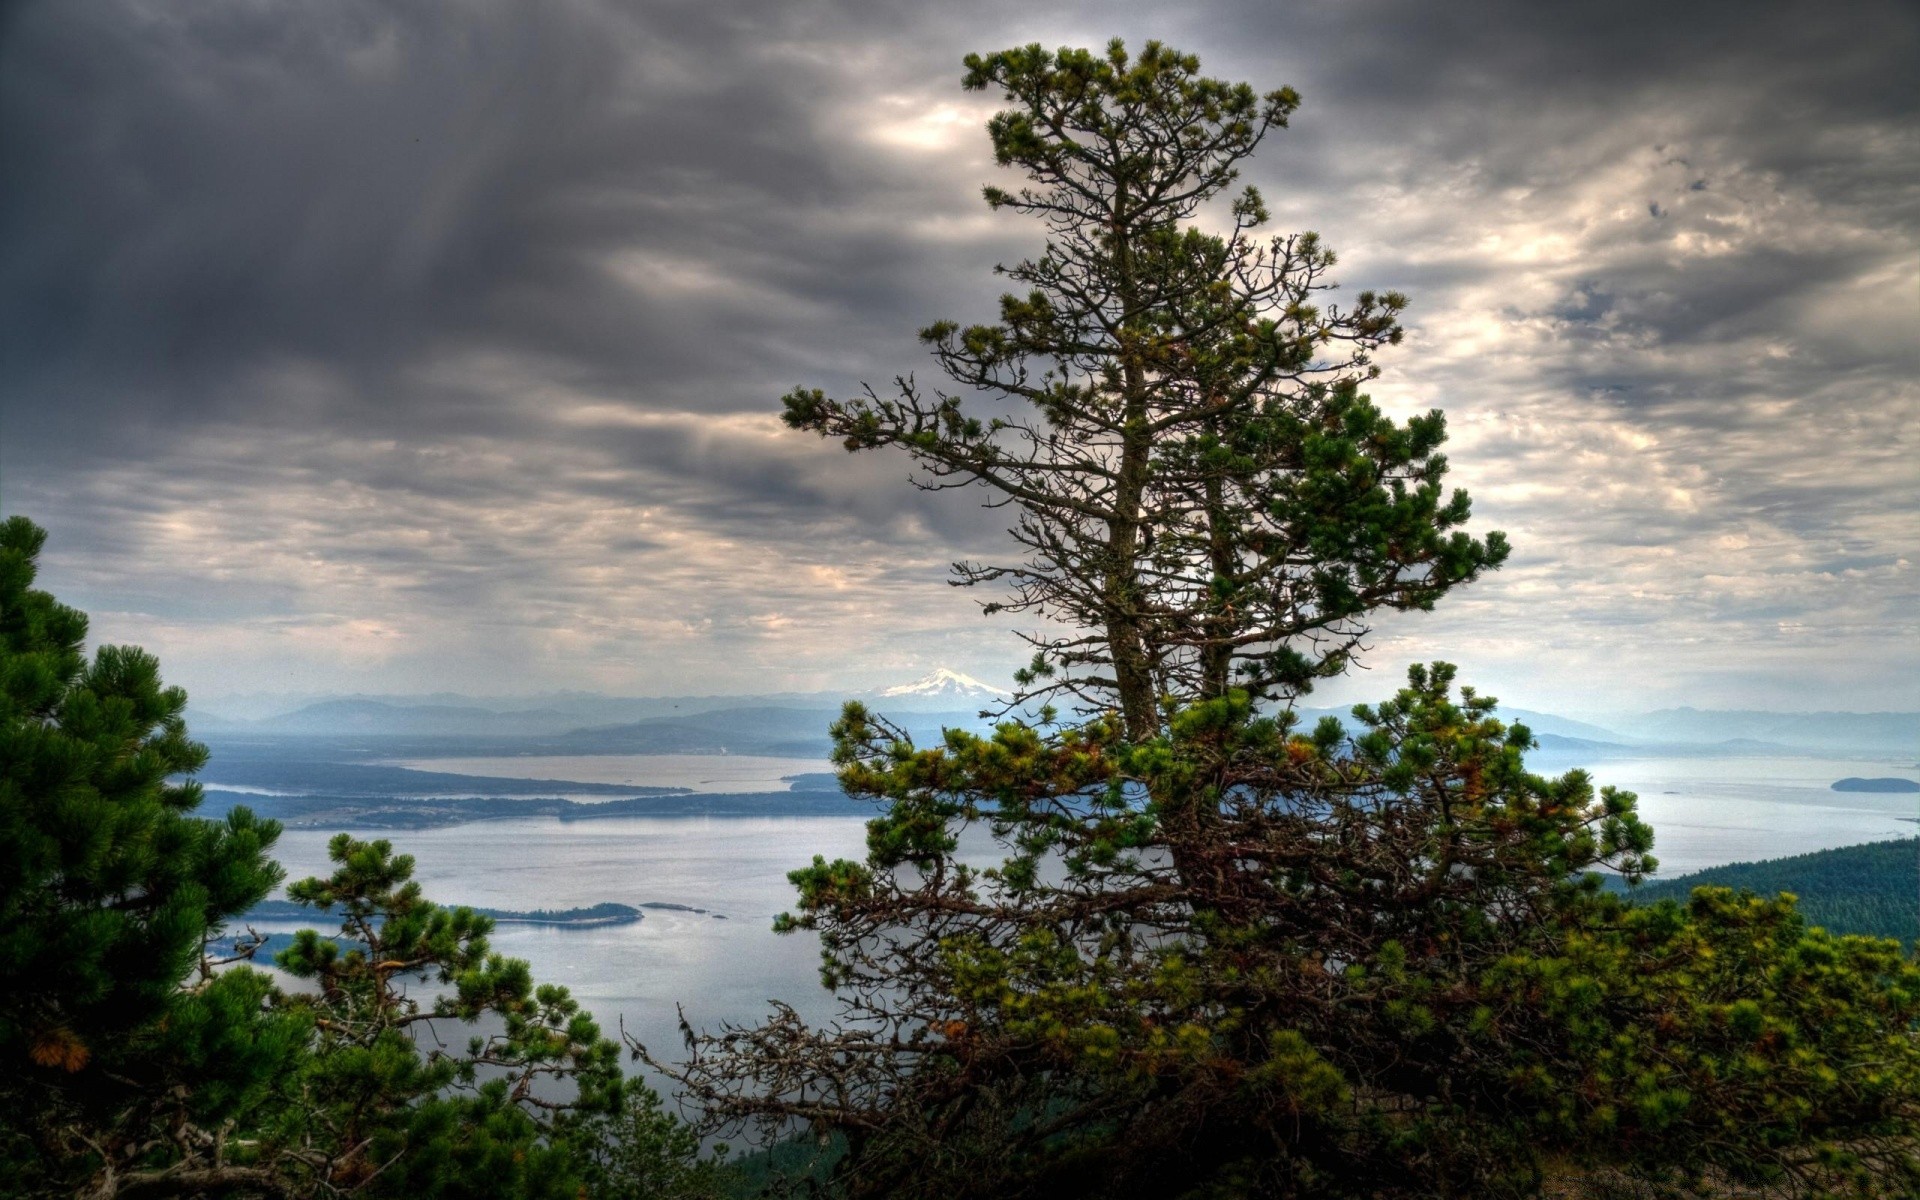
<point x="1205" y="498"/>
<point x="108" y="885"/>
<point x="139" y="1061"/>
<point x="1223" y="955"/>
<point x="401" y="1109"/>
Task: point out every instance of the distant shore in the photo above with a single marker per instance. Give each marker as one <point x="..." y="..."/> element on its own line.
<point x="431" y="812"/>
<point x="277" y="911"/>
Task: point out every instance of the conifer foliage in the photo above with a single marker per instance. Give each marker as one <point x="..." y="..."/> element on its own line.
<point x="1205" y="498"/>
<point x="1214" y="953"/>
<point x="108" y="885"/>
<point x="140" y="1061"/>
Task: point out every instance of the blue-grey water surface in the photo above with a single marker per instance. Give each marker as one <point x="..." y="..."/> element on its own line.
<point x="1706" y="811"/>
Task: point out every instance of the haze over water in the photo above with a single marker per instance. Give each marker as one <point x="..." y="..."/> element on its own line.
<point x="1705" y="811"/>
<point x="699" y="772"/>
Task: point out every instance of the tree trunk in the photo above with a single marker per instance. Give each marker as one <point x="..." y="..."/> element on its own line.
<point x="1132" y="670"/>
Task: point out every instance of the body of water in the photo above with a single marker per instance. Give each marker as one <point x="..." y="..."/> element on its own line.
<point x="722" y="967"/>
<point x="700" y="772"/>
<point x="1705" y="811"/>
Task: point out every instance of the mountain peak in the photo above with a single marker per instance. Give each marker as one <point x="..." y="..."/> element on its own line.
<point x="944" y="682"/>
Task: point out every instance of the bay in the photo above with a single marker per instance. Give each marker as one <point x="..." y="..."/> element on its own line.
<point x="723" y="968"/>
<point x="723" y="773"/>
<point x="1705" y="811"/>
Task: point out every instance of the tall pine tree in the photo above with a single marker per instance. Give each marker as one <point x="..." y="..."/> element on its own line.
<point x="1205" y="498"/>
<point x="1222" y="955"/>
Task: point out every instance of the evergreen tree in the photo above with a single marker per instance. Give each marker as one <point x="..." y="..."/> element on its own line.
<point x="140" y="1062"/>
<point x="1224" y="956"/>
<point x="1205" y="497"/>
<point x="1234" y="957"/>
<point x="108" y="885"/>
<point x="398" y="1108"/>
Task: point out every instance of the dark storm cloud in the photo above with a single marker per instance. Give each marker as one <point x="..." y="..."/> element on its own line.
<point x="257" y="223"/>
<point x="357" y="186"/>
<point x="390" y="345"/>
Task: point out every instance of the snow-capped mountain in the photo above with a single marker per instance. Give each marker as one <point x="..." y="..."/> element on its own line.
<point x="943" y="683"/>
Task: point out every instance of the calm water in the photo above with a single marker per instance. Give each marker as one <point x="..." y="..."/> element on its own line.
<point x="722" y="970"/>
<point x="1705" y="812"/>
<point x="700" y="772"/>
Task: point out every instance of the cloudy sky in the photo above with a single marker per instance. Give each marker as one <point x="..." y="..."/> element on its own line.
<point x="407" y="345"/>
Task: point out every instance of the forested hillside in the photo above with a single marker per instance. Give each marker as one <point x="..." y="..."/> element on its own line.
<point x="1872" y="889"/>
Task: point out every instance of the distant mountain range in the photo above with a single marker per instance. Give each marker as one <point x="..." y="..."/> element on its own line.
<point x="1891" y="732"/>
<point x="1546" y="726"/>
<point x="450" y="713"/>
<point x="320" y="811"/>
<point x="794" y="732"/>
<point x="796" y="723"/>
<point x="780" y="732"/>
<point x="382" y="717"/>
<point x="318" y="774"/>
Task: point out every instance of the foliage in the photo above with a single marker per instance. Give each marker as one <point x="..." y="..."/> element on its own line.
<point x="1396" y="976"/>
<point x="1724" y="1040"/>
<point x="107" y="883"/>
<point x="639" y="1151"/>
<point x="442" y="1122"/>
<point x="136" y="1066"/>
<point x="1219" y="955"/>
<point x="1236" y="956"/>
<point x="1205" y="499"/>
<point x="351" y="1088"/>
<point x="1868" y="890"/>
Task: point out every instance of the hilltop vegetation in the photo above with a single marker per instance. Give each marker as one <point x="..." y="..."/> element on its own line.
<point x="137" y="1060"/>
<point x="605" y="913"/>
<point x="1884" y="784"/>
<point x="1224" y="954"/>
<point x="1872" y="889"/>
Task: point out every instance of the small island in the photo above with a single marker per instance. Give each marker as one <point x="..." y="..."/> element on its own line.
<point x="1887" y="784"/>
<point x="571" y="918"/>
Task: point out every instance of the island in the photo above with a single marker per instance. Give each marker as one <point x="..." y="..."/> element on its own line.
<point x="372" y="811"/>
<point x="569" y="918"/>
<point x="1886" y="784"/>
